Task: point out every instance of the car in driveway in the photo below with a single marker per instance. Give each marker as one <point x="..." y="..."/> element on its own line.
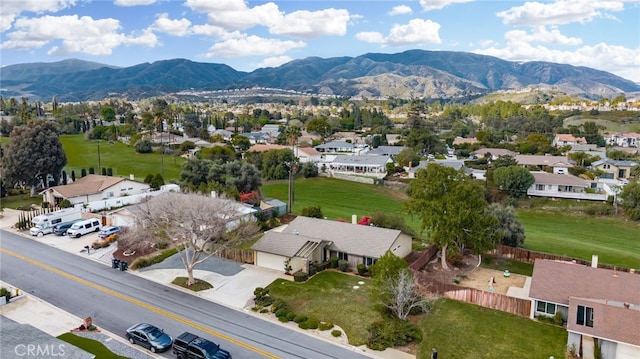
<point x="150" y="337"/>
<point x="107" y="231"/>
<point x="62" y="228"/>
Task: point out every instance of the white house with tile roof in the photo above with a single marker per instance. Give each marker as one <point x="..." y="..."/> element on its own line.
<point x="93" y="188"/>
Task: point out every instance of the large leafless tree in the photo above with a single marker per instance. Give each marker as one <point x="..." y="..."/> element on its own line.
<point x="201" y="226"/>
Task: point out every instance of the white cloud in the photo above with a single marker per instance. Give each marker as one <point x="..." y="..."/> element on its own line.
<point x="541" y="34"/>
<point x="234" y="14"/>
<point x="559" y="12"/>
<point x="127" y="3"/>
<point x="619" y="60"/>
<point x="173" y="27"/>
<point x="309" y="24"/>
<point x="252" y="46"/>
<point x="428" y="5"/>
<point x="77" y="35"/>
<point x="417" y="31"/>
<point x="274" y="61"/>
<point x="486" y="43"/>
<point x="215" y="31"/>
<point x="12" y="8"/>
<point x="400" y="10"/>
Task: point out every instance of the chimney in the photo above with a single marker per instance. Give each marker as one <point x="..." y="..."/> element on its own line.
<point x="594" y="261"/>
<point x="354" y="219"/>
<point x="132" y="177"/>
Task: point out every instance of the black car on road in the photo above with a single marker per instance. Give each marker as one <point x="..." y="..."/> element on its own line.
<point x="191" y="346"/>
<point x="149" y="336"/>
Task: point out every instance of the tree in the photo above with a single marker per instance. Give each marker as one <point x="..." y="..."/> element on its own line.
<point x="143" y="146"/>
<point x="33" y="154"/>
<point x="635" y="172"/>
<point x="504" y="161"/>
<point x="309" y="169"/>
<point x="451" y="205"/>
<point x="108" y="114"/>
<point x="514" y="180"/>
<point x="394" y="287"/>
<point x="320" y="126"/>
<point x="631" y="200"/>
<point x="406" y="157"/>
<point x="201" y="226"/>
<point x="509" y="226"/>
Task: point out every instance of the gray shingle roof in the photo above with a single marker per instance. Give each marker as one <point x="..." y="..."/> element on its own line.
<point x="345" y="237"/>
<point x="361" y="160"/>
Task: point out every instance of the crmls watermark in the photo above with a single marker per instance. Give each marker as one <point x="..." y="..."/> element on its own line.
<point x="39" y="350"/>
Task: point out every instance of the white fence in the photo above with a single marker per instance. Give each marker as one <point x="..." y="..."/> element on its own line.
<point x="570" y="195"/>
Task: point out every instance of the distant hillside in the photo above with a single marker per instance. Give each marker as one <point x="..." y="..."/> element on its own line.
<point x="414" y="73"/>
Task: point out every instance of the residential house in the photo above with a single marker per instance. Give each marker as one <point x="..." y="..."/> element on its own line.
<point x="463" y="140"/>
<point x="455" y="164"/>
<point x="494" y="153"/>
<point x="562" y="186"/>
<point x="392" y="139"/>
<point x="599" y="306"/>
<point x="560" y="164"/>
<point x="621" y="139"/>
<point x="567" y="139"/>
<point x="308" y="154"/>
<point x="306" y="240"/>
<point x="94" y="188"/>
<point x="336" y="146"/>
<point x="266" y="147"/>
<point x="614" y="169"/>
<point x="367" y="165"/>
<point x="386" y="151"/>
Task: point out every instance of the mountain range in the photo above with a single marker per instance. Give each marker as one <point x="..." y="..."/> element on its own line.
<point x="409" y="74"/>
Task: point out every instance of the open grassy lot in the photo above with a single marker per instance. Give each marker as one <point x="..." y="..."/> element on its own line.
<point x="613" y="121"/>
<point x="462" y="330"/>
<point x="502" y="264"/>
<point x="123" y="159"/>
<point x="329" y="296"/>
<point x="614" y="240"/>
<point x="90" y="345"/>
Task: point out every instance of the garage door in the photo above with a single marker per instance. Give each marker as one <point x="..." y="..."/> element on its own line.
<point x="271" y="261"/>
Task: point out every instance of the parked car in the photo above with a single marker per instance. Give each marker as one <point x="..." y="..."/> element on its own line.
<point x="81" y="228"/>
<point x="62" y="228"/>
<point x="188" y="345"/>
<point x="107" y="231"/>
<point x="149" y="336"/>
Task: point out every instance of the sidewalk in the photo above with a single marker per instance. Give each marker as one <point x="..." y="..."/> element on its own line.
<point x="229" y="290"/>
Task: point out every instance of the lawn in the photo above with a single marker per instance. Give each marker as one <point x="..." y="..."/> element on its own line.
<point x="330" y="296"/>
<point x="123" y="159"/>
<point x="90" y="345"/>
<point x="501" y="264"/>
<point x="462" y="330"/>
<point x="458" y="330"/>
<point x="614" y="240"/>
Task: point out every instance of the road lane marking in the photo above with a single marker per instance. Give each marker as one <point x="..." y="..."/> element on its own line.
<point x="140" y="304"/>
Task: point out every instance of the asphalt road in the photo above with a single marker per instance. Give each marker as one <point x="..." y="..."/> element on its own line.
<point x="116" y="300"/>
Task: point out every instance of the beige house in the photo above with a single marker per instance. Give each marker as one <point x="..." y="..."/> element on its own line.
<point x="567" y="139"/>
<point x="306" y="240"/>
<point x="614" y="169"/>
<point x="93" y="188"/>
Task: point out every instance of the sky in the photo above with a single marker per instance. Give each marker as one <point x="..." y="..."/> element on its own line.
<point x="602" y="34"/>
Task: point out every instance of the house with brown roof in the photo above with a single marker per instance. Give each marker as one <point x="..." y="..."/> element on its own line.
<point x="306" y="240"/>
<point x="93" y="188"/>
<point x="600" y="306"/>
<point x="494" y="152"/>
<point x="562" y="186"/>
<point x="559" y="164"/>
<point x="308" y="154"/>
<point x="567" y="139"/>
<point x="464" y="140"/>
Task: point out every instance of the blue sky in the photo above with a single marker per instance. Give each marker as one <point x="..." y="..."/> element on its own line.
<point x="602" y="34"/>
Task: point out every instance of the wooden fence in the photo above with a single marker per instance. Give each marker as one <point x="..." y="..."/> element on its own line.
<point x="238" y="255"/>
<point x="424" y="258"/>
<point x="525" y="255"/>
<point x="517" y="306"/>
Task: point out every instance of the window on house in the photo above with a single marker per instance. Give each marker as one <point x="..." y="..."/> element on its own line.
<point x="539" y="187"/>
<point x="368" y="261"/>
<point x="109" y="194"/>
<point x="545" y="307"/>
<point x="342" y="255"/>
<point x="585" y="316"/>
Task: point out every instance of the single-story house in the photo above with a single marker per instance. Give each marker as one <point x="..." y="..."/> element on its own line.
<point x="336" y="146"/>
<point x="599" y="306"/>
<point x="386" y="150"/>
<point x="494" y="152"/>
<point x="614" y="169"/>
<point x="567" y="139"/>
<point x="260" y="147"/>
<point x="464" y="140"/>
<point x="562" y="186"/>
<point x="92" y="188"/>
<point x="306" y="240"/>
<point x="560" y="164"/>
<point x="455" y="164"/>
<point x="360" y="164"/>
<point x="308" y="154"/>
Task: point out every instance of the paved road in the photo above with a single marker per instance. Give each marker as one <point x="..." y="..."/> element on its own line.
<point x="115" y="300"/>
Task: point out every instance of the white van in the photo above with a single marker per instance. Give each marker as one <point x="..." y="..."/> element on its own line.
<point x="83" y="227"/>
<point x="44" y="223"/>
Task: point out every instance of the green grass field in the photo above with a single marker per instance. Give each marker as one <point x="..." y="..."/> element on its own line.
<point x="90" y="345"/>
<point x="123" y="159"/>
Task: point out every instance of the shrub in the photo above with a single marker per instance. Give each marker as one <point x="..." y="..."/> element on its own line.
<point x="343" y="265"/>
<point x="312" y="270"/>
<point x="311" y="323"/>
<point x="282" y="312"/>
<point x="264" y="310"/>
<point x="65" y="203"/>
<point x="324" y="265"/>
<point x="278" y="304"/>
<point x="283" y="319"/>
<point x="4" y="292"/>
<point x="145" y="261"/>
<point x="334" y="262"/>
<point x="313" y="212"/>
<point x="336" y="333"/>
<point x="291" y="316"/>
<point x="599" y="210"/>
<point x="362" y="269"/>
<point x="391" y="333"/>
<point x="300" y="276"/>
<point x="557" y="319"/>
<point x="325" y="325"/>
<point x="300" y="318"/>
